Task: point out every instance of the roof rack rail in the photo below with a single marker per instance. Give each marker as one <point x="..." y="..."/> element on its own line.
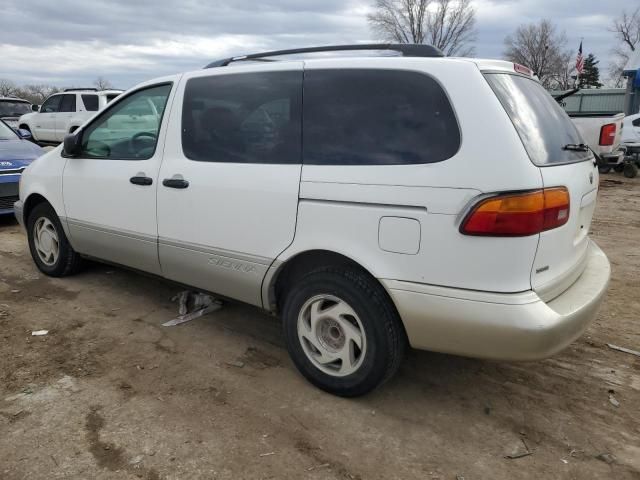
<point x="90" y="89"/>
<point x="407" y="50"/>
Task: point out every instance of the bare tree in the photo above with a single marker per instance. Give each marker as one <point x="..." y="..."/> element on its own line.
<point x="540" y="47"/>
<point x="102" y="83"/>
<point x="38" y="93"/>
<point x="7" y="88"/>
<point x="627" y="30"/>
<point x="446" y="24"/>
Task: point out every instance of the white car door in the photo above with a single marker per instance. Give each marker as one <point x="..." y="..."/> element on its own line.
<point x="228" y="188"/>
<point x="109" y="189"/>
<point x="44" y="122"/>
<point x="66" y="111"/>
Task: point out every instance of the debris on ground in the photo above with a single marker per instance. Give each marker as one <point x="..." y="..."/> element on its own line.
<point x="235" y="363"/>
<point x="316" y="467"/>
<point x="520" y="450"/>
<point x="606" y="458"/>
<point x="625" y="350"/>
<point x="613" y="401"/>
<point x="192" y="305"/>
<point x="39" y="333"/>
<point x="267" y="454"/>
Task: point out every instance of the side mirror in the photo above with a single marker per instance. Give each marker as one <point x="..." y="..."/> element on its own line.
<point x="35" y="108"/>
<point x="73" y="144"/>
<point x="24" y="134"/>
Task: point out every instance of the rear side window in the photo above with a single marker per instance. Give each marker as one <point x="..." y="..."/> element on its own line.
<point x="68" y="103"/>
<point x="90" y="103"/>
<point x="542" y="124"/>
<point x="243" y="118"/>
<point x="376" y="117"/>
<point x="636" y="122"/>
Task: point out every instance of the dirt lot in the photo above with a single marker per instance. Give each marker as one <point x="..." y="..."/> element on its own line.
<point x="111" y="394"/>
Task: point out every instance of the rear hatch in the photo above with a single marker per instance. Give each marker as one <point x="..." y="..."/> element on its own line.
<point x="546" y="130"/>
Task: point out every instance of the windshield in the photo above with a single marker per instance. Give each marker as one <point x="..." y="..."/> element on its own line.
<point x="6" y="133"/>
<point x="10" y="108"/>
<point x="542" y="124"/>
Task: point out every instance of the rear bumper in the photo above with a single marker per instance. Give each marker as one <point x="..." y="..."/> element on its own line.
<point x="516" y="326"/>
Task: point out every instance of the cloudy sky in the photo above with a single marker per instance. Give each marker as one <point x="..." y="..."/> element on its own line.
<point x="72" y="42"/>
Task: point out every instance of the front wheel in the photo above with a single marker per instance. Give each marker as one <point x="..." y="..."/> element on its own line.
<point x="50" y="249"/>
<point x="604" y="168"/>
<point x="342" y="331"/>
<point x="630" y="170"/>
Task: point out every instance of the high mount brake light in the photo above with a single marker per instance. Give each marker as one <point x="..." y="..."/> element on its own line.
<point x="607" y="134"/>
<point x="518" y="214"/>
<point x="522" y="69"/>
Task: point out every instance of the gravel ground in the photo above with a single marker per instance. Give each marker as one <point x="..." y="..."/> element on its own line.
<point x="110" y="394"/>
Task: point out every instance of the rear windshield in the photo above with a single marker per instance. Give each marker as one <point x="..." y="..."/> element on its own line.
<point x="10" y="108"/>
<point x="542" y="124"/>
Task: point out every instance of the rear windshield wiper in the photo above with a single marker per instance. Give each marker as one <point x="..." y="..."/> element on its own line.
<point x="583" y="147"/>
<point x="576" y="147"/>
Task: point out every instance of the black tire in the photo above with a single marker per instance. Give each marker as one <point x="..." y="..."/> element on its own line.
<point x="619" y="168"/>
<point x="382" y="328"/>
<point x="604" y="168"/>
<point x="630" y="170"/>
<point x="68" y="260"/>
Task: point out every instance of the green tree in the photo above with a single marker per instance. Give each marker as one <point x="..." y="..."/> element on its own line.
<point x="590" y="77"/>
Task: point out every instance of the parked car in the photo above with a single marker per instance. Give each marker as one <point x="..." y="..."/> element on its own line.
<point x="62" y="113"/>
<point x="601" y="132"/>
<point x="441" y="203"/>
<point x="16" y="152"/>
<point x="11" y="108"/>
<point x="631" y="141"/>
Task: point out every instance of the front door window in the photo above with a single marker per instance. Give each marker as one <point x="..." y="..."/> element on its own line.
<point x="129" y="130"/>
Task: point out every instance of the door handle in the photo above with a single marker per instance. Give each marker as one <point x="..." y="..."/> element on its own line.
<point x="175" y="183"/>
<point x="139" y="180"/>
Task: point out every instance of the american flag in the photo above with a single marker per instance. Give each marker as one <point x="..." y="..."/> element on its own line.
<point x="580" y="61"/>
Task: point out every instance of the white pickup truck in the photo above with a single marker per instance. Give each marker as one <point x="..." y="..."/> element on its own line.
<point x="603" y="134"/>
<point x="63" y="112"/>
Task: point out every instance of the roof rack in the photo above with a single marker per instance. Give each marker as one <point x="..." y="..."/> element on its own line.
<point x="407" y="50"/>
<point x="90" y="89"/>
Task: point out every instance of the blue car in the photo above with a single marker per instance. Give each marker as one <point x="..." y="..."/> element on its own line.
<point x="16" y="152"/>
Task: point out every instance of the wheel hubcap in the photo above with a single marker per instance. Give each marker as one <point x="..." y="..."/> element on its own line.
<point x="331" y="335"/>
<point x="46" y="242"/>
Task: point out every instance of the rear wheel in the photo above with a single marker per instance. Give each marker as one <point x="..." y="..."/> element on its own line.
<point x="630" y="170"/>
<point x="342" y="331"/>
<point x="50" y="249"/>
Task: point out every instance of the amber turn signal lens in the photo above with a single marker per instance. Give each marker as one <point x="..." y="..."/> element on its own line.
<point x="518" y="214"/>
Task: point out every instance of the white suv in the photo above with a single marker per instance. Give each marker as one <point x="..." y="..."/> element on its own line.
<point x="372" y="202"/>
<point x="62" y="113"/>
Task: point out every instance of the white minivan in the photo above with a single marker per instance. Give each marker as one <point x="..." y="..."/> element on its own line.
<point x="373" y="202"/>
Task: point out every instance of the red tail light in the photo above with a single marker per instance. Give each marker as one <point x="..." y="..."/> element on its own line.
<point x="607" y="134"/>
<point x="518" y="214"/>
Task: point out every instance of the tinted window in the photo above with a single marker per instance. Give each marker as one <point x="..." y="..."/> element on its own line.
<point x="123" y="132"/>
<point x="90" y="103"/>
<point x="243" y="118"/>
<point x="9" y="108"/>
<point x="636" y="122"/>
<point x="542" y="124"/>
<point x="376" y="117"/>
<point x="52" y="104"/>
<point x="68" y="103"/>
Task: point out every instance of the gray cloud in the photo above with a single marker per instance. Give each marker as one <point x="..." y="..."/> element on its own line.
<point x="71" y="42"/>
